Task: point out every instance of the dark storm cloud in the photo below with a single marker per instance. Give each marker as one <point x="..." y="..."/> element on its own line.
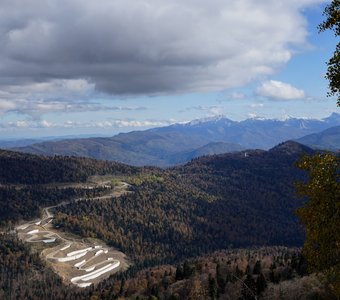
<point x="139" y="47"/>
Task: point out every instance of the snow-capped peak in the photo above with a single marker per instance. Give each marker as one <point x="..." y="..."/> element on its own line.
<point x="208" y="119"/>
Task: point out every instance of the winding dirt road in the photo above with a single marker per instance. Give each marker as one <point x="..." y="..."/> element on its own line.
<point x="81" y="262"/>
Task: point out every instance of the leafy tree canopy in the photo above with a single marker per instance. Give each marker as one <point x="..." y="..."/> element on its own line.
<point x="332" y="22"/>
<point x="321" y="215"/>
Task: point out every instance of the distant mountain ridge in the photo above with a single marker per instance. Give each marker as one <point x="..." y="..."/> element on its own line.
<point x="179" y="143"/>
<point x="10" y="143"/>
<point x="328" y="139"/>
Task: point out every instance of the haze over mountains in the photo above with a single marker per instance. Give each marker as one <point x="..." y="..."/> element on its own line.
<point x="328" y="139"/>
<point x="179" y="143"/>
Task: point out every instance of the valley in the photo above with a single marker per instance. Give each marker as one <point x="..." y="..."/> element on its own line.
<point x="76" y="260"/>
<point x="87" y="228"/>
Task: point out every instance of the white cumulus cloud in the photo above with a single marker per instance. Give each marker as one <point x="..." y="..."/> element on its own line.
<point x="279" y="90"/>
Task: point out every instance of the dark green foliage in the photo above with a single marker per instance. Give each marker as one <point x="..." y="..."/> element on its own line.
<point x="184" y="271"/>
<point x="332" y="22"/>
<point x="257" y="268"/>
<point x="302" y="266"/>
<point x="122" y="286"/>
<point x="238" y="272"/>
<point x="221" y="281"/>
<point x="179" y="273"/>
<point x="25" y="179"/>
<point x="204" y="282"/>
<point x="20" y="168"/>
<point x="212" y="287"/>
<point x="165" y="281"/>
<point x="272" y="277"/>
<point x="248" y="270"/>
<point x="249" y="288"/>
<point x="25" y="202"/>
<point x="261" y="284"/>
<point x="321" y="215"/>
<point x="187" y="270"/>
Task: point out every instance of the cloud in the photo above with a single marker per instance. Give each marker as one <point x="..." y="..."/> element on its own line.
<point x="252" y="115"/>
<point x="25" y="124"/>
<point x="279" y="90"/>
<point x="46" y="124"/>
<point x="213" y="110"/>
<point x="51" y="90"/>
<point x="256" y="105"/>
<point x="114" y="123"/>
<point x="16" y="124"/>
<point x="74" y="49"/>
<point x="58" y="95"/>
<point x="237" y="96"/>
<point x="136" y="123"/>
<point x="6" y="105"/>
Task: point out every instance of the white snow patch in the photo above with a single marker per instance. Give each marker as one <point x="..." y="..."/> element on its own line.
<point x="84" y="284"/>
<point x="99" y="252"/>
<point x="79" y="264"/>
<point x="70" y="258"/>
<point x="49" y="241"/>
<point x="64" y="248"/>
<point x="79" y="251"/>
<point x="96" y="273"/>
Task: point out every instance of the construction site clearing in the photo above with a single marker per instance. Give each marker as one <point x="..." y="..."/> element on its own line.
<point x="79" y="261"/>
<point x="76" y="260"/>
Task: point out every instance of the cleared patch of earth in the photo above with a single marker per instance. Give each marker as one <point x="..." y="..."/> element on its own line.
<point x="79" y="261"/>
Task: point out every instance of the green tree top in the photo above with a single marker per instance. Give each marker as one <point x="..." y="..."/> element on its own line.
<point x="321" y="215"/>
<point x="332" y="22"/>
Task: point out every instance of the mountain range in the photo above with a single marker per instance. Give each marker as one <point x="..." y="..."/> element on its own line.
<point x="328" y="139"/>
<point x="179" y="143"/>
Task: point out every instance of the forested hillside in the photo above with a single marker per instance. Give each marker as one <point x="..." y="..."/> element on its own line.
<point x="212" y="203"/>
<point x="21" y="168"/>
<point x="266" y="273"/>
<point x="26" y="202"/>
<point x="23" y="275"/>
<point x="25" y="181"/>
<point x="170" y="216"/>
<point x="270" y="273"/>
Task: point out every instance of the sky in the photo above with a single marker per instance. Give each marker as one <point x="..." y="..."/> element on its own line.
<point x="82" y="67"/>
